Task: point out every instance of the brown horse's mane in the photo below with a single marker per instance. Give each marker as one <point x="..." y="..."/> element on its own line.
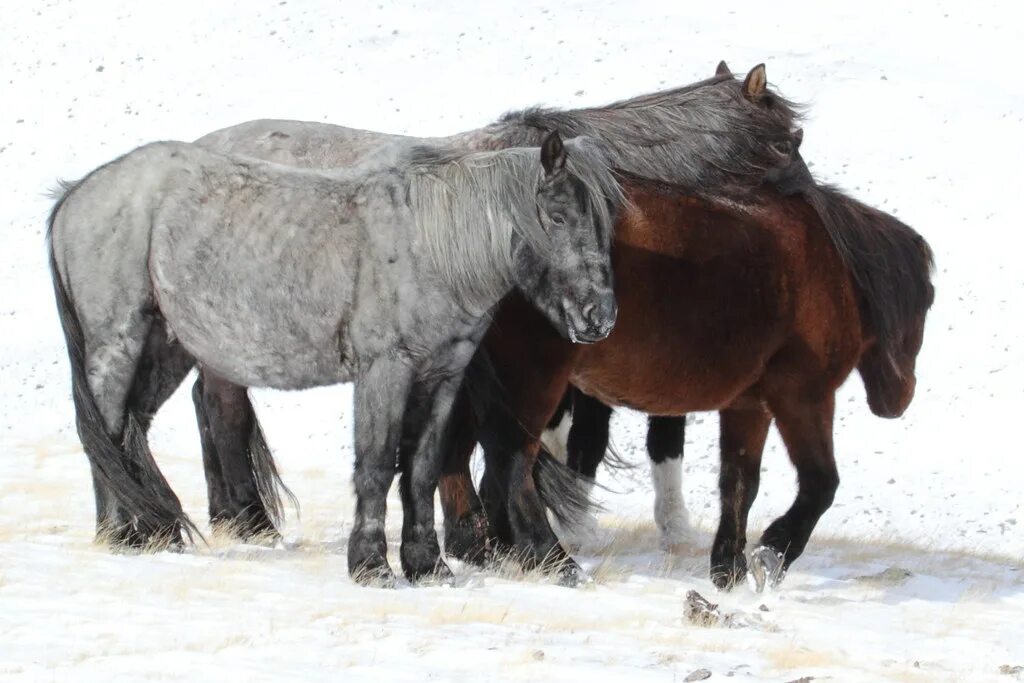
<point x="891" y="264"/>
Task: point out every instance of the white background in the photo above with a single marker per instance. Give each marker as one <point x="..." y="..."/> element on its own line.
<point x="916" y="109"/>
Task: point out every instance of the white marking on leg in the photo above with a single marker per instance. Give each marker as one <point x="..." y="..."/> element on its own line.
<point x="556" y="439"/>
<point x="669" y="507"/>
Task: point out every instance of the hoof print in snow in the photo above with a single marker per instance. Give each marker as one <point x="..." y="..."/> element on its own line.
<point x="698" y="675"/>
<point x="1008" y="670"/>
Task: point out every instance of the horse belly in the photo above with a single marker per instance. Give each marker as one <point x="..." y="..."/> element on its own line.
<point x="260" y="314"/>
<point x="691" y="335"/>
<point x="655" y="382"/>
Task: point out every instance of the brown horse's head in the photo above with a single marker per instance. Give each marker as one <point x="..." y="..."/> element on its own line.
<point x="889" y="373"/>
<point x="888" y="364"/>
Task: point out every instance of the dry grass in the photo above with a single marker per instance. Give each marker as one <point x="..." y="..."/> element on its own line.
<point x="878" y="548"/>
<point x="792" y="657"/>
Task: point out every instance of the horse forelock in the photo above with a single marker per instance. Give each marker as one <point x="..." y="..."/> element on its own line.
<point x="890" y="263"/>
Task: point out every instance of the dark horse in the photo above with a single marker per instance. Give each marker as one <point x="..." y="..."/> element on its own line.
<point x="757" y="308"/>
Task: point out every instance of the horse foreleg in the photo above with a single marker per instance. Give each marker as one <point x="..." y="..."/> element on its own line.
<point x="742" y="436"/>
<point x="665" y="439"/>
<point x="424" y="436"/>
<point x="466" y="532"/>
<point x="806" y="429"/>
<point x="381" y="393"/>
<point x="227" y="423"/>
<point x="535" y="543"/>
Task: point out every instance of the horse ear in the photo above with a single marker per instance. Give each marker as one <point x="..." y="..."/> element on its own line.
<point x="552" y="153"/>
<point x="798" y="137"/>
<point x="723" y="69"/>
<point x="755" y="83"/>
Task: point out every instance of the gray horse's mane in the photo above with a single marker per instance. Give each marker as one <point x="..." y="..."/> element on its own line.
<point x="706" y="137"/>
<point x="468" y="205"/>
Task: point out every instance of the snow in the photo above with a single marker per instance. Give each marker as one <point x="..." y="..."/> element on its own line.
<point x="915" y="108"/>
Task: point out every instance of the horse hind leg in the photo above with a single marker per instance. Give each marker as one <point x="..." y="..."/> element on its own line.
<point x="743" y="432"/>
<point x="586" y="447"/>
<point x="161" y="368"/>
<point x="466" y="530"/>
<point x="131" y="372"/>
<point x="665" y="439"/>
<point x="242" y="480"/>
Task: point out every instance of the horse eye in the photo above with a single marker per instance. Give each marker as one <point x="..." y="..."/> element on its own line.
<point x="784" y="148"/>
<point x="557" y="219"/>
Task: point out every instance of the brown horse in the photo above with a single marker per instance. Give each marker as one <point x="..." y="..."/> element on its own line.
<point x="758" y="308"/>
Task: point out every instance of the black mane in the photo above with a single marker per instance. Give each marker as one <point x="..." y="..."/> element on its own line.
<point x="890" y="262"/>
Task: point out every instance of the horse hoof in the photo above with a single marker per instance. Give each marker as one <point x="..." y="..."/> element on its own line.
<point x="374" y="575"/>
<point x="140" y="538"/>
<point x="766" y="568"/>
<point x="728" y="568"/>
<point x="725" y="578"/>
<point x="438" y="575"/>
<point x="368" y="560"/>
<point x="257" y="531"/>
<point x="468" y="540"/>
<point x="571" y="574"/>
<point x="422" y="563"/>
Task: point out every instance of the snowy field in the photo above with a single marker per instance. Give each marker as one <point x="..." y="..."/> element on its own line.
<point x="916" y="572"/>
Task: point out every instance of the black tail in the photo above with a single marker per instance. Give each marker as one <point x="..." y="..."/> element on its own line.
<point x="127" y="470"/>
<point x="562" y="490"/>
<point x="269" y="484"/>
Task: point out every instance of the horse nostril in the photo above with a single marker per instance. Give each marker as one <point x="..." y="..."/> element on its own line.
<point x="599" y="316"/>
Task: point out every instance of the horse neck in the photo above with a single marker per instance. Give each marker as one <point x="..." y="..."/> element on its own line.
<point x="467" y="213"/>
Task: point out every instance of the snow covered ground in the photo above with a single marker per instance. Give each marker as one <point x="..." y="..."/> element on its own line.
<point x="917" y="109"/>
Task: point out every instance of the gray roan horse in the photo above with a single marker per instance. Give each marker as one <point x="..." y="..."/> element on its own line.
<point x="383" y="274"/>
<point x="722" y="136"/>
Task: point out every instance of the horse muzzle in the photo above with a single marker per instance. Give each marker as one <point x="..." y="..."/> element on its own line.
<point x="595" y="322"/>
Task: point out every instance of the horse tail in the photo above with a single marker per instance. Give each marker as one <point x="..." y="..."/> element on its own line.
<point x="127" y="470"/>
<point x="562" y="490"/>
<point x="269" y="485"/>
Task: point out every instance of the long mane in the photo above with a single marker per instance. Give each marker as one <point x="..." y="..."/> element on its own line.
<point x="705" y="137"/>
<point x="468" y="204"/>
<point x="890" y="263"/>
